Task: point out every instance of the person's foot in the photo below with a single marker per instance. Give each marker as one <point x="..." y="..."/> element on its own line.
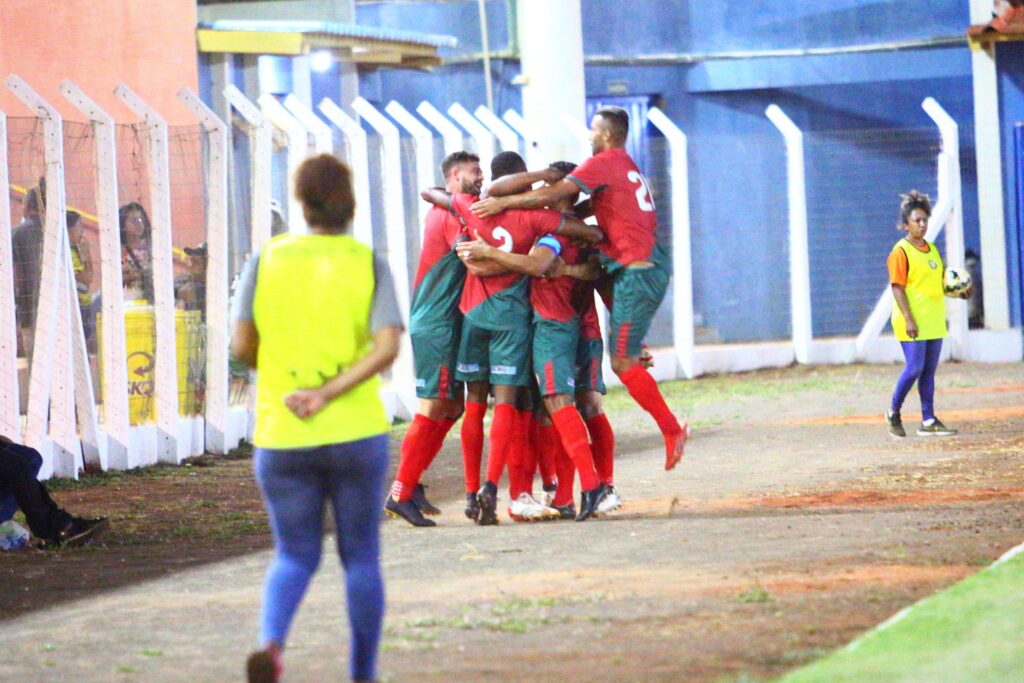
<point x="549" y="493"/>
<point x="419" y="496"/>
<point x="895" y="423"/>
<point x="408" y="511"/>
<point x="487" y="499"/>
<point x="566" y="511"/>
<point x="81" y="531"/>
<point x="590" y="500"/>
<point x="674" y="446"/>
<point x="472" y="507"/>
<point x="612" y="501"/>
<point x="264" y="666"/>
<point x="526" y="508"/>
<point x="934" y="427"/>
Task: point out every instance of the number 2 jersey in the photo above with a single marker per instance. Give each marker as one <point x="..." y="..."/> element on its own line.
<point x="441" y="273"/>
<point x="501" y="302"/>
<point x="623" y="207"/>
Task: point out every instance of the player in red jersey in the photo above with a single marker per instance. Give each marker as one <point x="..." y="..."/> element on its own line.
<point x="636" y="263"/>
<point x="556" y="326"/>
<point x="435" y="323"/>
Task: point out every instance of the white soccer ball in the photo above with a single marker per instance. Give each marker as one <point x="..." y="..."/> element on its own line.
<point x="955" y="282"/>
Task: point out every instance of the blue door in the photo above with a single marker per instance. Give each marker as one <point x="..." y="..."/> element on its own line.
<point x="1018" y="153"/>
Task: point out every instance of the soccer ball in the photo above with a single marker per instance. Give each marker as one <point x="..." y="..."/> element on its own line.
<point x="955" y="282"/>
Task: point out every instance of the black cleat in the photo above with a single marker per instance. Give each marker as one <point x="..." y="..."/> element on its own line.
<point x="81" y="531"/>
<point x="407" y="511"/>
<point x="487" y="499"/>
<point x="472" y="507"/>
<point x="590" y="500"/>
<point x="895" y="424"/>
<point x="419" y="496"/>
<point x="566" y="511"/>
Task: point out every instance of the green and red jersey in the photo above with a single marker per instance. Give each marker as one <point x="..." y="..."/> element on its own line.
<point x="553" y="298"/>
<point x="441" y="273"/>
<point x="501" y="302"/>
<point x="622" y="205"/>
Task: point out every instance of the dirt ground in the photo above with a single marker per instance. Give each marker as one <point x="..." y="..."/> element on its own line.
<point x="794" y="523"/>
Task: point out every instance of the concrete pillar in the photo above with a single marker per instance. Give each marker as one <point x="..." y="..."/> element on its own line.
<point x="987" y="143"/>
<point x="551" y="51"/>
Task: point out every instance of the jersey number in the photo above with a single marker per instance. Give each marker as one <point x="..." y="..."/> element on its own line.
<point x="505" y="237"/>
<point x="643" y="193"/>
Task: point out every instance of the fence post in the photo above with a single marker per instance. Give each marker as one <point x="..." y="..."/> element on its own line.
<point x="298" y="149"/>
<point x="799" y="257"/>
<point x="320" y="132"/>
<point x="403" y="377"/>
<point x="170" y="447"/>
<point x="119" y="454"/>
<point x="450" y="133"/>
<point x="359" y="160"/>
<point x="10" y="404"/>
<point x="261" y="152"/>
<point x="516" y="122"/>
<point x="506" y="136"/>
<point x="218" y="439"/>
<point x="682" y="266"/>
<point x="481" y="136"/>
<point x="423" y="143"/>
<point x="954" y="224"/>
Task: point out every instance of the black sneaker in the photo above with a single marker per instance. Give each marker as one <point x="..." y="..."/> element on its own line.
<point x="566" y="511"/>
<point x="895" y="424"/>
<point x="407" y="511"/>
<point x="81" y="531"/>
<point x="936" y="428"/>
<point x="487" y="499"/>
<point x="264" y="666"/>
<point x="590" y="500"/>
<point x="419" y="496"/>
<point x="472" y="507"/>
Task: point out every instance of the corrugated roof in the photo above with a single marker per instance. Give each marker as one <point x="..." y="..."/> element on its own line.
<point x="333" y="29"/>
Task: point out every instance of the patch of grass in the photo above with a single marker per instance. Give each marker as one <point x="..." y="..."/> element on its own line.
<point x="754" y="594"/>
<point x="152" y="652"/>
<point x="89" y="480"/>
<point x="128" y="669"/>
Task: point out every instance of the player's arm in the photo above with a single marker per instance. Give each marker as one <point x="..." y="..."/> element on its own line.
<point x="536" y="199"/>
<point x="584" y="209"/>
<point x="534" y="264"/>
<point x="517" y="183"/>
<point x="437" y="196"/>
<point x="575" y="229"/>
<point x="485" y="268"/>
<point x="588" y="271"/>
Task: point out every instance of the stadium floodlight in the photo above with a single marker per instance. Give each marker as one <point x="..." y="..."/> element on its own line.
<point x="321" y="61"/>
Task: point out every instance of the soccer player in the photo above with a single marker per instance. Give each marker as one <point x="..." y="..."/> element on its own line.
<point x="495" y="345"/>
<point x="556" y="334"/>
<point x="637" y="264"/>
<point x="435" y="324"/>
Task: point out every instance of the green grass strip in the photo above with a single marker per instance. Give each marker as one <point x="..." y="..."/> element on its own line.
<point x="971" y="632"/>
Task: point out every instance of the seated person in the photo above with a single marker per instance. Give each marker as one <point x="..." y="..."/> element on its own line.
<point x="49" y="523"/>
<point x="190" y="286"/>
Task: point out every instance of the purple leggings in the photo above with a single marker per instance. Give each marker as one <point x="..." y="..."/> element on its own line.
<point x="922" y="360"/>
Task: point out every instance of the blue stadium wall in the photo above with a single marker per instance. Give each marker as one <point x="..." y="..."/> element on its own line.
<point x="861" y="112"/>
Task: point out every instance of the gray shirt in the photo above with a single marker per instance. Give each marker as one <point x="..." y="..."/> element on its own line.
<point x="383" y="309"/>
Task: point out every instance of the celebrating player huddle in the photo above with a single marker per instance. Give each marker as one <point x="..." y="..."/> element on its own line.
<point x="504" y="302"/>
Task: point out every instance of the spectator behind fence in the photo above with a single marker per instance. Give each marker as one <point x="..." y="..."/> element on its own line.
<point x="190" y="286"/>
<point x="317" y="316"/>
<point x="136" y="253"/>
<point x="27" y="244"/>
<point x="81" y="260"/>
<point x="53" y="526"/>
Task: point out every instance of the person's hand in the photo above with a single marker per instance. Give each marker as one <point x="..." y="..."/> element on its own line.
<point x="473" y="250"/>
<point x="968" y="292"/>
<point x="555" y="172"/>
<point x="591" y="270"/>
<point x="488" y="207"/>
<point x="305" y="403"/>
<point x="912" y="331"/>
<point x="557" y="269"/>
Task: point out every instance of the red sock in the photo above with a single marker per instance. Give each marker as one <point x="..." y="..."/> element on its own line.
<point x="545" y="456"/>
<point x="602" y="442"/>
<point x="573" y="434"/>
<point x="529" y="454"/>
<point x="501" y="439"/>
<point x="473" y="444"/>
<point x="519" y="478"/>
<point x="645" y="392"/>
<point x="566" y="472"/>
<point x="421" y="444"/>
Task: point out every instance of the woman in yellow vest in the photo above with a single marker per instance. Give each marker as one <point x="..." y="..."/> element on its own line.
<point x="316" y="315"/>
<point x="918" y="316"/>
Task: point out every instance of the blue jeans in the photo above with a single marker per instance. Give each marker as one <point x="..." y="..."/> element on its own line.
<point x="295" y="485"/>
<point x="34" y="461"/>
<point x="922" y="361"/>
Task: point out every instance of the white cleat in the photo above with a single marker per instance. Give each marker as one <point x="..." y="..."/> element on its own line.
<point x="526" y="508"/>
<point x="612" y="501"/>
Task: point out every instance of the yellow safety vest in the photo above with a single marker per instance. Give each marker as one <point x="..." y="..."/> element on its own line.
<point x="924" y="294"/>
<point x="312" y="313"/>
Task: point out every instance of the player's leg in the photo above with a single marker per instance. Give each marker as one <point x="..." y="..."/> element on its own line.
<point x="637" y="294"/>
<point x="930" y="425"/>
<point x="590" y="388"/>
<point x="914" y="352"/>
<point x="472" y="368"/>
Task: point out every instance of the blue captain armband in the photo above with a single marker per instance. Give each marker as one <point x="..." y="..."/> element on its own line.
<point x="551" y="243"/>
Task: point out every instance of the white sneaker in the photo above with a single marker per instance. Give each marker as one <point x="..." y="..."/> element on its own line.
<point x="526" y="508"/>
<point x="612" y="501"/>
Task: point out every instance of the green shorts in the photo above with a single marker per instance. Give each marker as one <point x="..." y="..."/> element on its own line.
<point x="495" y="356"/>
<point x="554" y="355"/>
<point x="589" y="375"/>
<point x="636" y="295"/>
<point x="434" y="354"/>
